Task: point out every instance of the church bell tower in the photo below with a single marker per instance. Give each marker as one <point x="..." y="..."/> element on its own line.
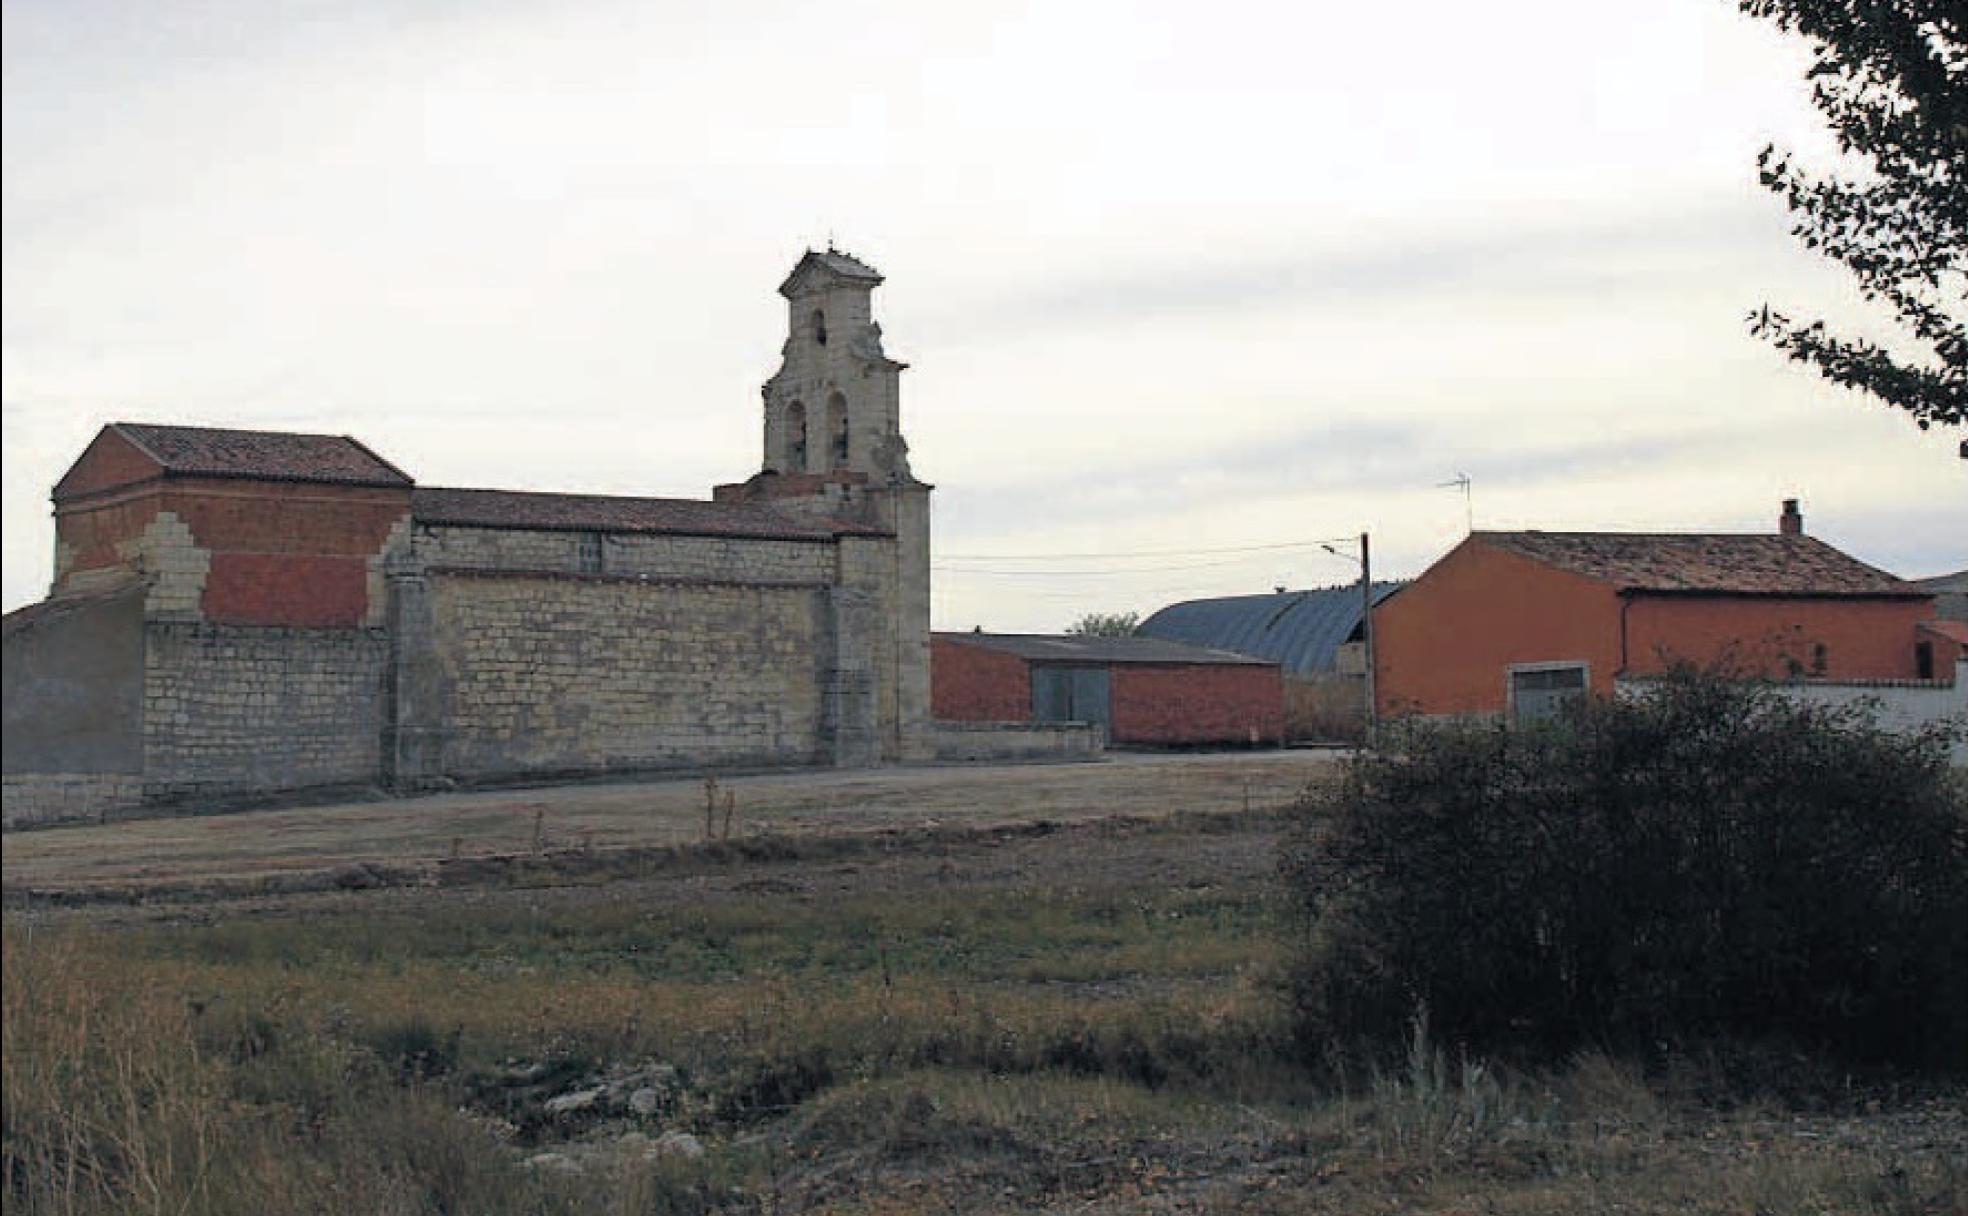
<point x="834" y="405"/>
<point x="834" y="453"/>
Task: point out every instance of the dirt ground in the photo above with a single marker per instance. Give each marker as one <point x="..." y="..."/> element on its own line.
<point x="291" y="843"/>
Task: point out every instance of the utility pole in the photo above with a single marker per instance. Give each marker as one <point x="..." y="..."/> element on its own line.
<point x="1367" y="631"/>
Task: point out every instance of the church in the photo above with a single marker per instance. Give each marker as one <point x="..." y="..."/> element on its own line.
<point x="239" y="615"/>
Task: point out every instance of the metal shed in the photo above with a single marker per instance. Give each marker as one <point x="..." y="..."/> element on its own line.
<point x="1302" y="631"/>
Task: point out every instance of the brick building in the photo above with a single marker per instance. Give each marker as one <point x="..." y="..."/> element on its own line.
<point x="239" y="613"/>
<point x="1517" y="622"/>
<point x="1140" y="691"/>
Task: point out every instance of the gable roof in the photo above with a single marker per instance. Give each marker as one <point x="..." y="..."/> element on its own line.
<point x="1705" y="563"/>
<point x="1078" y="648"/>
<point x="607" y="513"/>
<point x="199" y="451"/>
<point x="832" y="261"/>
<point x="1300" y="630"/>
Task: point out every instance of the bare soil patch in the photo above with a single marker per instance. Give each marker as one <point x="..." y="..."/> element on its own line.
<point x="494" y="832"/>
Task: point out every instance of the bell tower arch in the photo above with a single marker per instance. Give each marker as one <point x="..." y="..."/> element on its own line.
<point x="834" y="405"/>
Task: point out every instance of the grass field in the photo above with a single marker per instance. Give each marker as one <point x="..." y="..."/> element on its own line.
<point x="1079" y="1017"/>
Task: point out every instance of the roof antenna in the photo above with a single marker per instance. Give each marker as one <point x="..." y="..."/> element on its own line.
<point x="1463" y="483"/>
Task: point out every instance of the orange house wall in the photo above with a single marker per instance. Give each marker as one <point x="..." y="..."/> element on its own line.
<point x="1441" y="646"/>
<point x="1863" y="639"/>
<point x="1445" y="643"/>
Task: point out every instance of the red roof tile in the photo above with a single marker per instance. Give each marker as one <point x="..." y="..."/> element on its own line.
<point x="1721" y="564"/>
<point x="199" y="451"/>
<point x="599" y="513"/>
<point x="1954" y="631"/>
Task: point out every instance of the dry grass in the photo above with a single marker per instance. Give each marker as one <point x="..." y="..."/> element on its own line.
<point x="1065" y="1023"/>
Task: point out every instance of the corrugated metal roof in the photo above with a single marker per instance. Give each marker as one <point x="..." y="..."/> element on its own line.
<point x="1077" y="648"/>
<point x="1300" y="630"/>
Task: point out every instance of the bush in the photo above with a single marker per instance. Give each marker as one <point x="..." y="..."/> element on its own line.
<point x="1706" y="862"/>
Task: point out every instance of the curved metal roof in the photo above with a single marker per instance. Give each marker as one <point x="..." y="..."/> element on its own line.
<point x="1301" y="630"/>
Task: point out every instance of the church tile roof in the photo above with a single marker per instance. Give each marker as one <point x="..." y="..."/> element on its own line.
<point x="199" y="451"/>
<point x="1705" y="563"/>
<point x="609" y="513"/>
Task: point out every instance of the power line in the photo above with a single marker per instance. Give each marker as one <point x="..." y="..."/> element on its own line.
<point x="1063" y="557"/>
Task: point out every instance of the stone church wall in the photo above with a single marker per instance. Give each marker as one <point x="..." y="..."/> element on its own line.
<point x="575" y="675"/>
<point x="74" y="709"/>
<point x="236" y="711"/>
<point x="731" y="559"/>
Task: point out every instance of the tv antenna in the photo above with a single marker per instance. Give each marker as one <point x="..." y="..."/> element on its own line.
<point x="1462" y="482"/>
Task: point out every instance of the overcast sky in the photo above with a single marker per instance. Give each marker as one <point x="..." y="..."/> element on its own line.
<point x="1186" y="283"/>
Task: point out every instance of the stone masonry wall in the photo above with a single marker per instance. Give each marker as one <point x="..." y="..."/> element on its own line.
<point x="728" y="559"/>
<point x="564" y="675"/>
<point x="237" y="710"/>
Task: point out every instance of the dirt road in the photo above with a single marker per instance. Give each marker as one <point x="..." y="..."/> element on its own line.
<point x="623" y="816"/>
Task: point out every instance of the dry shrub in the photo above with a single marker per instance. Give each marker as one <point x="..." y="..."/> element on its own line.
<point x="1706" y="863"/>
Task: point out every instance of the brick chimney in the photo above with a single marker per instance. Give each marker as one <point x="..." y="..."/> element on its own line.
<point x="1791" y="522"/>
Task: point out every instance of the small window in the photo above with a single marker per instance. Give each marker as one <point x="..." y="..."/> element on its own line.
<point x="1820" y="658"/>
<point x="819" y="328"/>
<point x="796" y="438"/>
<point x="837" y="428"/>
<point x="1540" y="692"/>
<point x="1923" y="660"/>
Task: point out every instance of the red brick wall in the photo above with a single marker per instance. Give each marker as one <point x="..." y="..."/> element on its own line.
<point x="1862" y="639"/>
<point x="282" y="553"/>
<point x="93" y="533"/>
<point x="109" y="461"/>
<point x="287" y="589"/>
<point x="1205" y="703"/>
<point x="1442" y="644"/>
<point x="971" y="684"/>
<point x="282" y="517"/>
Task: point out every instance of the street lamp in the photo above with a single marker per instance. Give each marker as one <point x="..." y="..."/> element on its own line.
<point x="1366" y="623"/>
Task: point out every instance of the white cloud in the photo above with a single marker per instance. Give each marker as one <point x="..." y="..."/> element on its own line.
<point x="1169" y="275"/>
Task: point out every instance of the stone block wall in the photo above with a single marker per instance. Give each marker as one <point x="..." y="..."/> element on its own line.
<point x="568" y="675"/>
<point x="74" y="707"/>
<point x="721" y="558"/>
<point x="238" y="710"/>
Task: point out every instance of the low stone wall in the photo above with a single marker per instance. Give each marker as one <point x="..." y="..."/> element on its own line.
<point x="33" y="799"/>
<point x="983" y="742"/>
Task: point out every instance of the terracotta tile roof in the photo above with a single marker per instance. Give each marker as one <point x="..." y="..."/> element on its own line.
<point x="199" y="451"/>
<point x="1954" y="631"/>
<point x="1715" y="563"/>
<point x="1078" y="648"/>
<point x="602" y="513"/>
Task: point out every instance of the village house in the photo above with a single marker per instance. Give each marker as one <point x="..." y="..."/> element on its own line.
<point x="1517" y="623"/>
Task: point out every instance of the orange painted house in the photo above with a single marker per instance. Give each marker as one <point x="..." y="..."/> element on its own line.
<point x="1514" y="622"/>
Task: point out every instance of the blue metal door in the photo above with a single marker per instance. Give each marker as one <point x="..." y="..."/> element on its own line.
<point x="1072" y="694"/>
